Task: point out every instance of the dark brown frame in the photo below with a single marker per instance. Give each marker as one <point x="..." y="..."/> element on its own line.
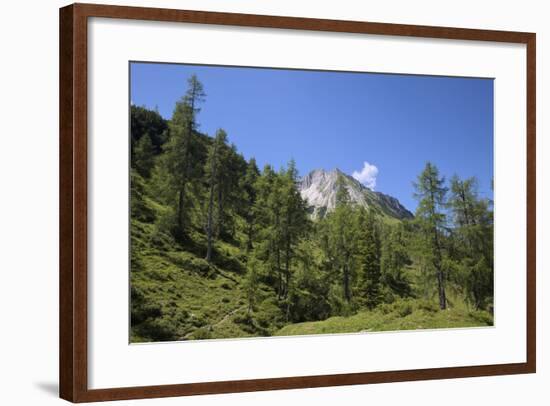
<point x="73" y="201"/>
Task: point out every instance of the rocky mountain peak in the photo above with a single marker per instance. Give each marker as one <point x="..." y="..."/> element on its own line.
<point x="319" y="189"/>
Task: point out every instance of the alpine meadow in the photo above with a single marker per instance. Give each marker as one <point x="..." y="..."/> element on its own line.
<point x="255" y="208"/>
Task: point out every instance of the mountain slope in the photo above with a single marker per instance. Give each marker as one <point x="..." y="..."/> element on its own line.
<point x="319" y="189"/>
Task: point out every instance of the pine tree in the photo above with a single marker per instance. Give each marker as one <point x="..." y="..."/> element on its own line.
<point x="431" y="193"/>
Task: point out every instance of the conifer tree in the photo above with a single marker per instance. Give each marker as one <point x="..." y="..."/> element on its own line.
<point x="251" y="283"/>
<point x="369" y="258"/>
<point x="474" y="238"/>
<point x="212" y="171"/>
<point x="181" y="164"/>
<point x="268" y="211"/>
<point x="341" y="239"/>
<point x="393" y="260"/>
<point x="144" y="156"/>
<point x="147" y="122"/>
<point x="248" y="186"/>
<point x="431" y="194"/>
<point x="294" y="219"/>
<point x="228" y="196"/>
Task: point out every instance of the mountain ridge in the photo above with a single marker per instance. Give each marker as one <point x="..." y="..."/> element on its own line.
<point x="319" y="188"/>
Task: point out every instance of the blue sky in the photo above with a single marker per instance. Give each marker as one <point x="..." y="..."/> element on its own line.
<point x="329" y="120"/>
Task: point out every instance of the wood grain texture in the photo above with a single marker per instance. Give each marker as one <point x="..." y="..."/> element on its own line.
<point x="73" y="201"/>
<point x="66" y="130"/>
<point x="531" y="203"/>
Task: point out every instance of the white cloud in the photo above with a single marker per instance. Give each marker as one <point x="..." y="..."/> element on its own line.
<point x="367" y="175"/>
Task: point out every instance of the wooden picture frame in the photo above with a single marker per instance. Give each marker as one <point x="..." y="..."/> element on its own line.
<point x="74" y="201"/>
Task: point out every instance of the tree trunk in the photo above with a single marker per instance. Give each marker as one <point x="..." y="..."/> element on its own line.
<point x="437" y="248"/>
<point x="279" y="274"/>
<point x="277" y="247"/>
<point x="441" y="286"/>
<point x="440" y="276"/>
<point x="209" y="225"/>
<point x="219" y="228"/>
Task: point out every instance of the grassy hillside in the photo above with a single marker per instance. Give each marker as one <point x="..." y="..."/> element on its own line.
<point x="177" y="295"/>
<point x="401" y="315"/>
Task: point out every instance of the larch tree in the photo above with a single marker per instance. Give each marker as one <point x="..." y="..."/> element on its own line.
<point x="474" y="232"/>
<point x="179" y="158"/>
<point x="294" y="219"/>
<point x="251" y="283"/>
<point x="369" y="258"/>
<point x="212" y="171"/>
<point x="228" y="196"/>
<point x="431" y="194"/>
<point x="248" y="186"/>
<point x="342" y="238"/>
<point x="393" y="260"/>
<point x="268" y="212"/>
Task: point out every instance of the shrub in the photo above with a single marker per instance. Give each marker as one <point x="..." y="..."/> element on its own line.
<point x="406" y="310"/>
<point x="200" y="265"/>
<point x="244" y="318"/>
<point x="269" y="314"/>
<point x="385" y="308"/>
<point x="402" y="308"/>
<point x="198" y="321"/>
<point x="181" y="259"/>
<point x="482" y="316"/>
<point x="141" y="308"/>
<point x="142" y="312"/>
<point x="224" y="260"/>
<point x="183" y="316"/>
<point x="158" y="275"/>
<point x="427" y="306"/>
<point x="201" y="334"/>
<point x="158" y="329"/>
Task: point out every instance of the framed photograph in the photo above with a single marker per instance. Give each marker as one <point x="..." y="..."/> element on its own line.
<point x="256" y="202"/>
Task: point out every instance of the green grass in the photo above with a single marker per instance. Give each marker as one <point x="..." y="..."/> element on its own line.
<point x="177" y="295"/>
<point x="189" y="296"/>
<point x="409" y="314"/>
